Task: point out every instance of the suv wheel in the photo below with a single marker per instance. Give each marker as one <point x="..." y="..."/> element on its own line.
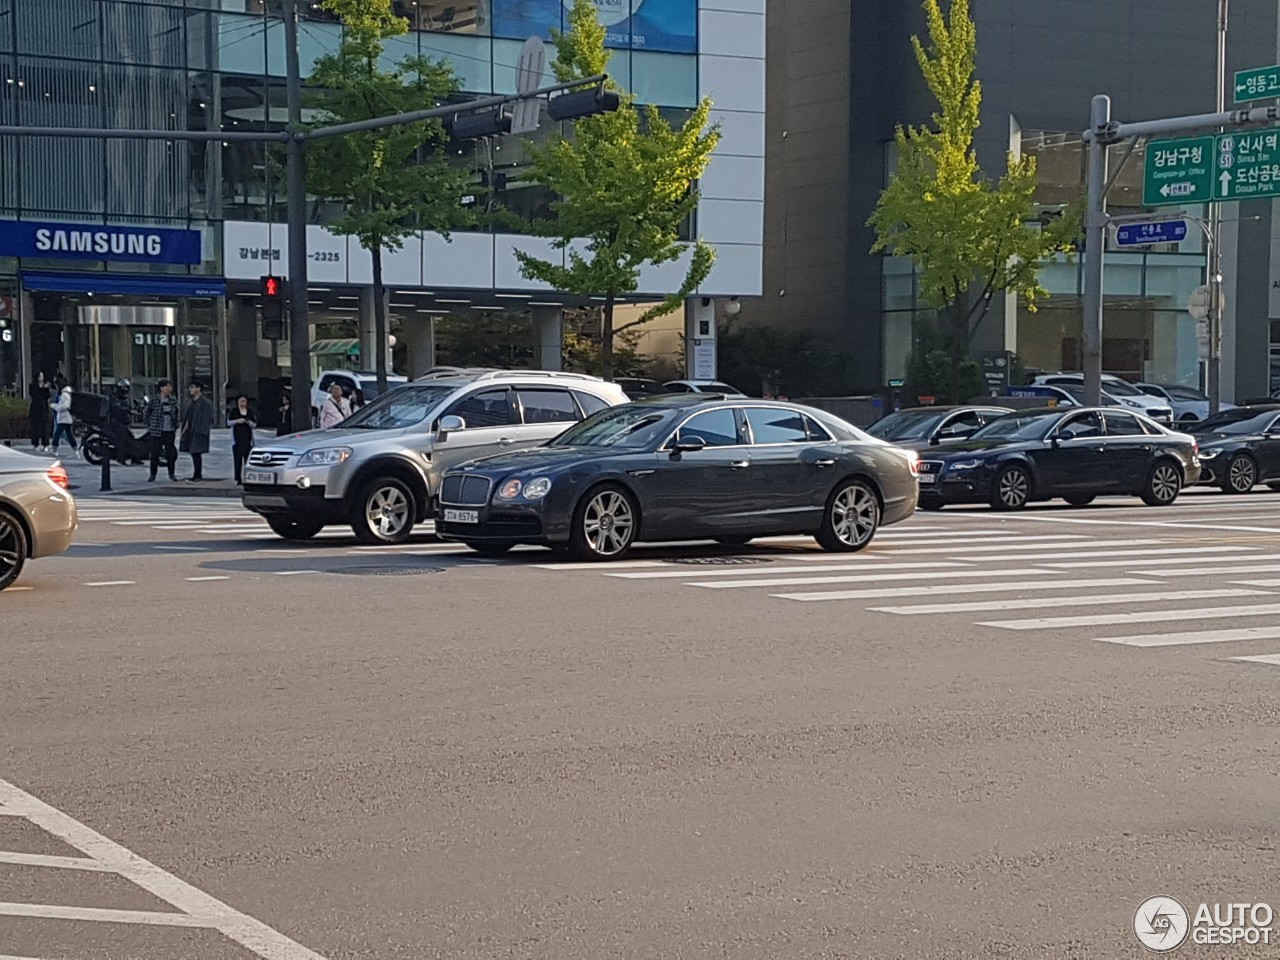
<point x="384" y="512"/>
<point x="294" y="529"/>
<point x="13" y="549"/>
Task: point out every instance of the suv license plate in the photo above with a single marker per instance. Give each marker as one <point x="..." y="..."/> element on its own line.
<point x="259" y="476"/>
<point x="462" y="516"/>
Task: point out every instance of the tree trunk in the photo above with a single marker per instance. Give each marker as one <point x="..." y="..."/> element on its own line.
<point x="379" y="319"/>
<point x="606" y="338"/>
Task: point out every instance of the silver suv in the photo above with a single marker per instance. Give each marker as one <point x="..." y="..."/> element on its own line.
<point x="380" y="470"/>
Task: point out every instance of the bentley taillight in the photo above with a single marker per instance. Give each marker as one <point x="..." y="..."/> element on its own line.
<point x="57" y="475"/>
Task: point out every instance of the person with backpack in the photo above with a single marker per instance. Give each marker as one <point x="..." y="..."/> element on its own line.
<point x="65" y="420"/>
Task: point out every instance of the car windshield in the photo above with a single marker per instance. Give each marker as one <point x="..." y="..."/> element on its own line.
<point x="631" y="426"/>
<point x="1257" y="423"/>
<point x="370" y="388"/>
<point x="1017" y="426"/>
<point x="906" y="425"/>
<point x="405" y="407"/>
<point x="1121" y="388"/>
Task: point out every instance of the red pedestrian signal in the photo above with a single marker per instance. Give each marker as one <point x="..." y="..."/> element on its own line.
<point x="272" y="308"/>
<point x="271" y="287"/>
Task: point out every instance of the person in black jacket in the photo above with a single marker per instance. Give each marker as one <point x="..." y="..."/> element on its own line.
<point x="39" y="415"/>
<point x="241" y="422"/>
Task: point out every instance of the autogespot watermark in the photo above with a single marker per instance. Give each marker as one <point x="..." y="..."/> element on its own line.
<point x="1163" y="923"/>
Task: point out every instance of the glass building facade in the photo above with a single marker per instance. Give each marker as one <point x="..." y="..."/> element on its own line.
<point x="219" y="65"/>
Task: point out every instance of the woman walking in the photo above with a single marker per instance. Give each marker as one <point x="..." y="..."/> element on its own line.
<point x="286" y="416"/>
<point x="241" y="423"/>
<point x="62" y="412"/>
<point x="38" y="415"/>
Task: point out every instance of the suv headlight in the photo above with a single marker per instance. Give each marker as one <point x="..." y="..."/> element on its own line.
<point x="537" y="488"/>
<point x="324" y="457"/>
<point x="967" y="464"/>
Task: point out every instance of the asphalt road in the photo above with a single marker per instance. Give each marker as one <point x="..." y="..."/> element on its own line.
<point x="960" y="743"/>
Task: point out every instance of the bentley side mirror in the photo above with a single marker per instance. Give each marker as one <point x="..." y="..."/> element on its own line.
<point x="689" y="444"/>
<point x="1055" y="441"/>
<point x="447" y="426"/>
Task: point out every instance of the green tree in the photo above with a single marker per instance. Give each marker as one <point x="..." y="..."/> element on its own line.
<point x="969" y="237"/>
<point x="625" y="182"/>
<point x="394" y="181"/>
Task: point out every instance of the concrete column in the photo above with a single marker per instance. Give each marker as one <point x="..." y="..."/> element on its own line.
<point x="26" y="312"/>
<point x="700" y="338"/>
<point x="368" y="342"/>
<point x="419" y="336"/>
<point x="548" y="337"/>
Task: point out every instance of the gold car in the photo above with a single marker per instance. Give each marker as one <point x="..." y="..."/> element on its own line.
<point x="37" y="513"/>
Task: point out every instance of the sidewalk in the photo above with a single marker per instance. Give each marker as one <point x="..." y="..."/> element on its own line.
<point x="219" y="474"/>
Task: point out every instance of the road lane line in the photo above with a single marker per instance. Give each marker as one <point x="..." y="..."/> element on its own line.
<point x="1272" y="659"/>
<point x="751" y="570"/>
<point x="1243" y="583"/>
<point x="866" y="578"/>
<point x="1032" y="603"/>
<point x="1192" y="552"/>
<point x="205" y="579"/>
<point x="112" y="583"/>
<point x="1149" y="616"/>
<point x="961" y="588"/>
<point x="176" y="547"/>
<point x="1203" y="571"/>
<point x="1036" y="543"/>
<point x="1157" y="562"/>
<point x="50" y="911"/>
<point x="18" y="590"/>
<point x="62" y="863"/>
<point x="201" y="910"/>
<point x="292" y="573"/>
<point x="1178" y="524"/>
<point x="1193" y="637"/>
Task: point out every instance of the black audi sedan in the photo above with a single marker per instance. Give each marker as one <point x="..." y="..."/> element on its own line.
<point x="919" y="428"/>
<point x="1240" y="448"/>
<point x="1073" y="453"/>
<point x="683" y="467"/>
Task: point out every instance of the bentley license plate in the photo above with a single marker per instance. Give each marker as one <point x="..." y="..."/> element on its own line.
<point x="462" y="516"/>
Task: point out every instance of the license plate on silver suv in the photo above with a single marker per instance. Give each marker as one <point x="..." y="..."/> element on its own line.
<point x="260" y="476"/>
<point x="462" y="516"/>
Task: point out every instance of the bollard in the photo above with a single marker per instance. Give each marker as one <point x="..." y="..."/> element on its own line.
<point x="104" y="483"/>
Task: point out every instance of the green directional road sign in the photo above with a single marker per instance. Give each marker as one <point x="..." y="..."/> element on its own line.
<point x="1260" y="84"/>
<point x="1178" y="171"/>
<point x="1247" y="165"/>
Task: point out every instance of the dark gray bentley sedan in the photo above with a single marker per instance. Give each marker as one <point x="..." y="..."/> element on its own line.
<point x="683" y="467"/>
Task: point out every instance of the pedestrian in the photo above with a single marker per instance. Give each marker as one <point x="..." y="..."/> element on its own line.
<point x="38" y="414"/>
<point x="197" y="425"/>
<point x="241" y="423"/>
<point x="62" y="413"/>
<point x="285" y="427"/>
<point x="336" y="409"/>
<point x="162" y="425"/>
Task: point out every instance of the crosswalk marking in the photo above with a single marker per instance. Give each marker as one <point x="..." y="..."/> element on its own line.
<point x="1272" y="659"/>
<point x="1032" y="603"/>
<point x="1150" y="616"/>
<point x="1166" y="560"/>
<point x="962" y="588"/>
<point x="1194" y="637"/>
<point x="1031" y="544"/>
<point x="1208" y="571"/>
<point x="868" y="578"/>
<point x="1101" y="554"/>
<point x="866" y="563"/>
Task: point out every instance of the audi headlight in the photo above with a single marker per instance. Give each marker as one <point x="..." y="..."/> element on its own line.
<point x="967" y="464"/>
<point x="1209" y="454"/>
<point x="537" y="488"/>
<point x="324" y="457"/>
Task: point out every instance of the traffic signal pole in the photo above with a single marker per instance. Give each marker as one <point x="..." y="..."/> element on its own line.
<point x="299" y="322"/>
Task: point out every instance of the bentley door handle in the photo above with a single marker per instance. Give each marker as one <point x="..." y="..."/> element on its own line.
<point x="740" y="464"/>
<point x="505" y="440"/>
<point x="825" y="462"/>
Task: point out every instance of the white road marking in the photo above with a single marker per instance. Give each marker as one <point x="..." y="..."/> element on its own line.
<point x="867" y="564"/>
<point x="962" y="588"/>
<point x="1032" y="603"/>
<point x="1032" y="543"/>
<point x="1161" y="561"/>
<point x="112" y="583"/>
<point x="17" y="590"/>
<point x="1194" y="637"/>
<point x="1178" y="524"/>
<point x="293" y="573"/>
<point x="165" y="546"/>
<point x="863" y="578"/>
<point x="205" y="579"/>
<point x="199" y="909"/>
<point x="1272" y="659"/>
<point x="1149" y="616"/>
<point x="1168" y="551"/>
<point x="62" y="863"/>
<point x="1257" y="583"/>
<point x="50" y="911"/>
<point x="1202" y="571"/>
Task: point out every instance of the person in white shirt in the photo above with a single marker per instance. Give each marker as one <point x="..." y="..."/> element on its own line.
<point x="65" y="421"/>
<point x="334" y="410"/>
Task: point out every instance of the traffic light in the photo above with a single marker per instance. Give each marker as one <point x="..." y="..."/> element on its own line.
<point x="583" y="103"/>
<point x="272" y="292"/>
<point x="476" y="126"/>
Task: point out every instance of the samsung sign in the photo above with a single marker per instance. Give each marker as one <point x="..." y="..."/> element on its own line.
<point x="79" y="241"/>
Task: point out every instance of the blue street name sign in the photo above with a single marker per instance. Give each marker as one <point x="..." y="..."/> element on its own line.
<point x="1140" y="234"/>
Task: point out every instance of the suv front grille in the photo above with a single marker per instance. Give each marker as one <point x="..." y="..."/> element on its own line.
<point x="465" y="491"/>
<point x="269" y="458"/>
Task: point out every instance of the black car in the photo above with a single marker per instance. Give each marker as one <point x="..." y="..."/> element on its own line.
<point x="919" y="428"/>
<point x="1074" y="453"/>
<point x="683" y="467"/>
<point x="640" y="388"/>
<point x="1240" y="448"/>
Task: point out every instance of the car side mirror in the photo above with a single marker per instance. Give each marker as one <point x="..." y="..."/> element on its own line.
<point x="1055" y="441"/>
<point x="690" y="444"/>
<point x="447" y="426"/>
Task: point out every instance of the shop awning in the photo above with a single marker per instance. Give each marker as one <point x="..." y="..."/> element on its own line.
<point x="133" y="284"/>
<point x="347" y="347"/>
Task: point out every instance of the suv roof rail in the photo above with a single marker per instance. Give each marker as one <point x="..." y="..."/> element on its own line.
<point x="495" y="373"/>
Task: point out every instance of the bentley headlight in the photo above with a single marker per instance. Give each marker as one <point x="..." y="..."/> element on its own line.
<point x="537" y="488"/>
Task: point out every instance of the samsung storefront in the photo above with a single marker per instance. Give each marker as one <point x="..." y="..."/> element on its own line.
<point x="96" y="304"/>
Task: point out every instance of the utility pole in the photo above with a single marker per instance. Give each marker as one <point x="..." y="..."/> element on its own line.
<point x="1214" y="280"/>
<point x="1095" y="242"/>
<point x="296" y="185"/>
